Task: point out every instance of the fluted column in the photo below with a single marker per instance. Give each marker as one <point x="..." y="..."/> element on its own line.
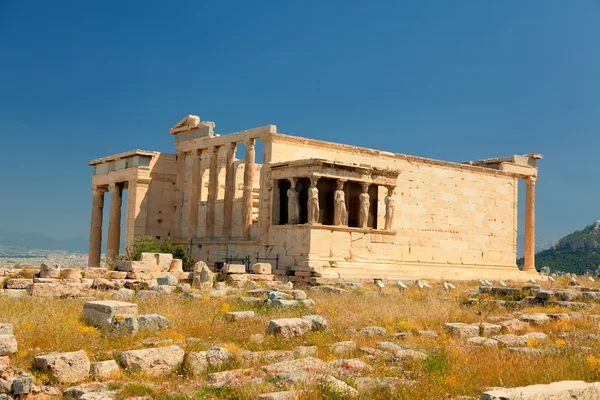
<point x="195" y="185"/>
<point x="229" y="190"/>
<point x="96" y="227"/>
<point x="114" y="221"/>
<point x="529" y="262"/>
<point x="248" y="187"/>
<point x="213" y="191"/>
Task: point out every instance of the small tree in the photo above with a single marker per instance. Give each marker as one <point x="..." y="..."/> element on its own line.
<point x="148" y="244"/>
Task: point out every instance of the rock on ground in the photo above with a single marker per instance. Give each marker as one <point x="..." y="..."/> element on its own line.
<point x="235" y="377"/>
<point x="154" y="362"/>
<point x="287" y="395"/>
<point x="318" y="322"/>
<point x="104" y="370"/>
<point x="99" y="312"/>
<point x="65" y="367"/>
<point x="289" y="327"/>
<point x="8" y="345"/>
<point x="6" y="329"/>
<point x="564" y="390"/>
<point x="153" y="322"/>
<point x="339" y="386"/>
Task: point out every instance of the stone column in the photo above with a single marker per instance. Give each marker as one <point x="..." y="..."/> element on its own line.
<point x="96" y="228"/>
<point x="178" y="231"/>
<point x="114" y="221"/>
<point x="213" y="191"/>
<point x="195" y="183"/>
<point x="529" y="262"/>
<point x="229" y="190"/>
<point x="248" y="187"/>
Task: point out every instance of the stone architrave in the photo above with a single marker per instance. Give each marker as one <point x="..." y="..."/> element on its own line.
<point x="293" y="203"/>
<point x="340" y="215"/>
<point x="389" y="208"/>
<point x="313" y="202"/>
<point x="363" y="211"/>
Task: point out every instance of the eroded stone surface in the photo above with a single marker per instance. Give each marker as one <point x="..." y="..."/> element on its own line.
<point x="154" y="362"/>
<point x="65" y="367"/>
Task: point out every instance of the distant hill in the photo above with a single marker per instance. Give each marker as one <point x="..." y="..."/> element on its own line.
<point x="576" y="252"/>
<point x="38" y="241"/>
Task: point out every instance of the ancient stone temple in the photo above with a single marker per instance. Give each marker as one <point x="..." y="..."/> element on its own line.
<point x="344" y="211"/>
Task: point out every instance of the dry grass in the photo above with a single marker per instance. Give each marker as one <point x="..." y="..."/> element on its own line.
<point x="453" y="368"/>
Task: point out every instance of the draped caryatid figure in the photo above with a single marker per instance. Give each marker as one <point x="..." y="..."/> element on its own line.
<point x="389" y="208"/>
<point x="313" y="202"/>
<point x="293" y="203"/>
<point x="340" y="215"/>
<point x="364" y="204"/>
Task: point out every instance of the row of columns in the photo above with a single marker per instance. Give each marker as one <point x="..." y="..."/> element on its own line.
<point x="191" y="189"/>
<point x="114" y="223"/>
<point x="340" y="213"/>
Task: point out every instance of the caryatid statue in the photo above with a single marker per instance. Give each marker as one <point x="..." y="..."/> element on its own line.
<point x="363" y="210"/>
<point x="340" y="215"/>
<point x="293" y="203"/>
<point x="389" y="208"/>
<point x="313" y="202"/>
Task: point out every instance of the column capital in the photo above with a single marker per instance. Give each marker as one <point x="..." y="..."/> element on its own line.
<point x="99" y="189"/>
<point x="531" y="179"/>
<point x="231" y="146"/>
<point x="115" y="185"/>
<point x="250" y="142"/>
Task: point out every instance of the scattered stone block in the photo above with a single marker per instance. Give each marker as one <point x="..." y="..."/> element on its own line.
<point x="104" y="370"/>
<point x="342" y="348"/>
<point x="4" y="361"/>
<point x="147" y="294"/>
<point x="70" y="273"/>
<point x="123" y="323"/>
<point x="169" y="280"/>
<point x="298" y="294"/>
<point x="535" y="319"/>
<point x="514" y="325"/>
<point x="461" y="329"/>
<point x="339" y="386"/>
<point x="318" y="322"/>
<point x="330" y="289"/>
<point x="566" y="390"/>
<point x="196" y="363"/>
<point x="218" y="357"/>
<point x="49" y="271"/>
<point x="159" y="361"/>
<point x="65" y="367"/>
<point x="266" y="357"/>
<point x="306" y="351"/>
<point x="373" y="331"/>
<point x="123" y="294"/>
<point x="17" y="283"/>
<point x="352" y="366"/>
<point x="236" y="376"/>
<point x="153" y="322"/>
<point x="289" y="327"/>
<point x="257" y="338"/>
<point x="237" y="315"/>
<point x="234" y="269"/>
<point x="262" y="268"/>
<point x="8" y="345"/>
<point x="94" y="273"/>
<point x="482" y="341"/>
<point x="100" y="312"/>
<point x="103" y="284"/>
<point x="306" y="364"/>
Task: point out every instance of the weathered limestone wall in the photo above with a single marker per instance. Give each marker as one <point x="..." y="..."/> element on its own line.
<point x="445" y="213"/>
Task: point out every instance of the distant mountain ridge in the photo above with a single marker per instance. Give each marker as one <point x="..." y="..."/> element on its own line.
<point x="38" y="241"/>
<point x="577" y="252"/>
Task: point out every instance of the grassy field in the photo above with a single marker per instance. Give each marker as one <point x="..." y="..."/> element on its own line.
<point x="452" y="369"/>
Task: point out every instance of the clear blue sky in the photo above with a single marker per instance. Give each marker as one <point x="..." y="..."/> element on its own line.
<point x="452" y="80"/>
